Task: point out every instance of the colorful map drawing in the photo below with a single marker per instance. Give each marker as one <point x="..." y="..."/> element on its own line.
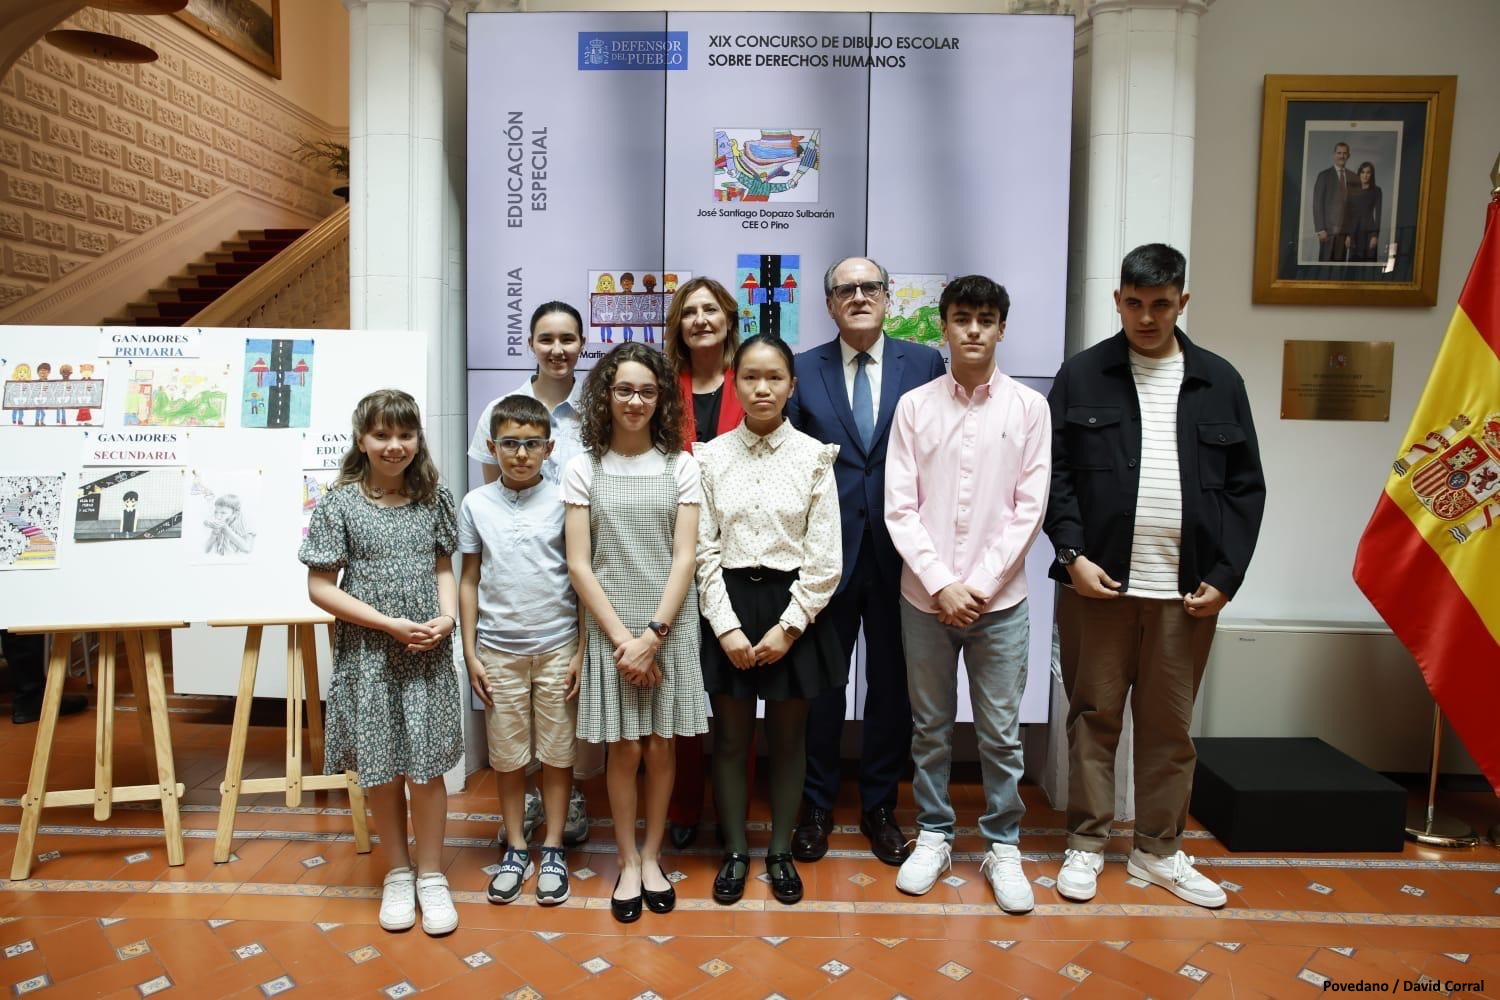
<point x="51" y="396"/>
<point x="766" y="164"/>
<point x="315" y="486"/>
<point x="30" y="521"/>
<point x="179" y="395"/>
<point x="222" y="514"/>
<point x="277" y="385"/>
<point x="630" y="303"/>
<point x="126" y="504"/>
<point x="768" y="287"/>
<point x="913" y="313"/>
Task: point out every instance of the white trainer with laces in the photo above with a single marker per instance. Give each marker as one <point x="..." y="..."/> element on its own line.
<point x="398" y="900"/>
<point x="438" y="914"/>
<point x="1002" y="865"/>
<point x="1078" y="879"/>
<point x="1176" y="874"/>
<point x="931" y="856"/>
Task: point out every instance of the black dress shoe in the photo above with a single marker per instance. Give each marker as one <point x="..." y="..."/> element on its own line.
<point x="887" y="842"/>
<point x="626" y="911"/>
<point x="810" y="839"/>
<point x="786" y="884"/>
<point x="26" y="710"/>
<point x="729" y="884"/>
<point x="682" y="834"/>
<point x="659" y="902"/>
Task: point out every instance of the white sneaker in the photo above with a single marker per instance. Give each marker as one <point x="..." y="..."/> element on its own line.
<point x="1177" y="875"/>
<point x="1078" y="879"/>
<point x="438" y="914"/>
<point x="1002" y="865"/>
<point x="398" y="900"/>
<point x="928" y="860"/>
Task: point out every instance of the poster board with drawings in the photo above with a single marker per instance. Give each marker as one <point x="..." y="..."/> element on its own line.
<point x="171" y="506"/>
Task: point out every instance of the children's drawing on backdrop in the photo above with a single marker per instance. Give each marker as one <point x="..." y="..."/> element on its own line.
<point x="222" y="515"/>
<point x="30" y="521"/>
<point x="52" y="397"/>
<point x="763" y="164"/>
<point x="913" y="310"/>
<point x="277" y="388"/>
<point x="163" y="394"/>
<point x="630" y="303"/>
<point x="315" y="486"/>
<point x="767" y="288"/>
<point x="127" y="504"/>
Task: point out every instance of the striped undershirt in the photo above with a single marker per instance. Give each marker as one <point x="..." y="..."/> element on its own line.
<point x="1157" y="542"/>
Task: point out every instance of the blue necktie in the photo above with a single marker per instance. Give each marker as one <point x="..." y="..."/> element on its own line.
<point x="864" y="403"/>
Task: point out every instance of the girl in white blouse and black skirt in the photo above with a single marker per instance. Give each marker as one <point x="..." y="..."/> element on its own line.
<point x="769" y="558"/>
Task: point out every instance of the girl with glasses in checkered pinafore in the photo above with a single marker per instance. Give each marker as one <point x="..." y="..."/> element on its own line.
<point x="631" y="532"/>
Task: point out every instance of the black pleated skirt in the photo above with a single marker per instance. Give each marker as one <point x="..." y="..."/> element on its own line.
<point x="813" y="664"/>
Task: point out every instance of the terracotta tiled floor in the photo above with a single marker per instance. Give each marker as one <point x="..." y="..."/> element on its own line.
<point x="104" y="915"/>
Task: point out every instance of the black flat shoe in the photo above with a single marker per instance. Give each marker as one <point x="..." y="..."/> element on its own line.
<point x="660" y="902"/>
<point x="25" y="711"/>
<point x="786" y="884"/>
<point x="626" y="911"/>
<point x="729" y="886"/>
<point x="682" y="834"/>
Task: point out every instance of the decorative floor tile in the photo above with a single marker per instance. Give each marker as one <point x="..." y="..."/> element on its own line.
<point x="323" y="926"/>
<point x="401" y="989"/>
<point x="584" y="874"/>
<point x="1194" y="973"/>
<point x="1412" y="890"/>
<point x="316" y="861"/>
<point x="359" y="956"/>
<point x="1138" y="883"/>
<point x="479" y="958"/>
<point x="151" y="987"/>
<point x="523" y="993"/>
<point x="1229" y="886"/>
<point x="1461" y="957"/>
<point x="715" y="967"/>
<point x="660" y="938"/>
<point x="861" y="879"/>
<point x="766" y="877"/>
<point x="1045" y="881"/>
<point x="1075" y="972"/>
<point x="31" y="985"/>
<point x="250" y="950"/>
<point x="889" y="942"/>
<point x="676" y="876"/>
<point x="1230" y="945"/>
<point x="954" y="971"/>
<point x="774" y="942"/>
<point x="19" y="948"/>
<point x="648" y="995"/>
<point x="1346" y="951"/>
<point x="596" y="965"/>
<point x="956" y="881"/>
<point x="775" y="996"/>
<point x="491" y="870"/>
<point x="1320" y="888"/>
<point x="277" y="986"/>
<point x="1003" y="945"/>
<point x="548" y="935"/>
<point x="834" y="967"/>
<point x="137" y="857"/>
<point x="110" y="921"/>
<point x="217" y="923"/>
<point x="49" y="855"/>
<point x="1309" y="976"/>
<point x="1116" y="945"/>
<point x="134" y="949"/>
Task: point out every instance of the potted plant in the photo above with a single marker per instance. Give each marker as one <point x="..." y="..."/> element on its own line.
<point x="333" y="155"/>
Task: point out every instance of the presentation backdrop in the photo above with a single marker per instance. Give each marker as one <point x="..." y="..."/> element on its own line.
<point x="159" y="474"/>
<point x="613" y="156"/>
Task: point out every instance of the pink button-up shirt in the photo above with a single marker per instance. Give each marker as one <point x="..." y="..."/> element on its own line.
<point x="966" y="481"/>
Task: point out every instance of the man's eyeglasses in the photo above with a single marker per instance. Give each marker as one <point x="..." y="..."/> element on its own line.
<point x="623" y="393"/>
<point x="869" y="289"/>
<point x="511" y="446"/>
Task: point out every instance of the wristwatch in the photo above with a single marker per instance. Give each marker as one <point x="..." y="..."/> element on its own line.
<point x="1066" y="556"/>
<point x="660" y="629"/>
<point x="792" y="631"/>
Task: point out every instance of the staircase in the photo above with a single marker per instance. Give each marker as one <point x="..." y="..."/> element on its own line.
<point x="187" y="294"/>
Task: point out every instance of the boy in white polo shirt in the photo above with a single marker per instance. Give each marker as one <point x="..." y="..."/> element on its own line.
<point x="520" y="634"/>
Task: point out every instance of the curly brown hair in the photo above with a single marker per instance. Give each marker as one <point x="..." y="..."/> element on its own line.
<point x="598" y="423"/>
<point x="397" y="410"/>
<point x="676" y="346"/>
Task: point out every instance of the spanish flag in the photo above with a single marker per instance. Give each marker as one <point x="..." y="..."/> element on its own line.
<point x="1429" y="559"/>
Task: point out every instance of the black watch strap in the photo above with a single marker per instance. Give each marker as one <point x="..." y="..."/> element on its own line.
<point x="660" y="629"/>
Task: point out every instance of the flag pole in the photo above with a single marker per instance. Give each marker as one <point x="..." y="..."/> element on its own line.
<point x="1426" y="825"/>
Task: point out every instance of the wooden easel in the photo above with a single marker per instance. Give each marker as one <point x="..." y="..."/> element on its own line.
<point x="301" y="693"/>
<point x="143" y="653"/>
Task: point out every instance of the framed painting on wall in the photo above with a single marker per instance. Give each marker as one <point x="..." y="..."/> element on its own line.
<point x="251" y="29"/>
<point x="1353" y="175"/>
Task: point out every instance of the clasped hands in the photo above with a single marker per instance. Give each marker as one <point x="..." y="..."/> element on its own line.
<point x="635" y="659"/>
<point x="419" y="637"/>
<point x="1090" y="580"/>
<point x="959" y="605"/>
<point x="772" y="647"/>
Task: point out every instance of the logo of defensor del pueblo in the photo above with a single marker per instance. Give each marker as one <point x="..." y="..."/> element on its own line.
<point x="651" y="50"/>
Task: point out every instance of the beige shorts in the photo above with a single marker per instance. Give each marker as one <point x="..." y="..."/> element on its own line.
<point x="530" y="708"/>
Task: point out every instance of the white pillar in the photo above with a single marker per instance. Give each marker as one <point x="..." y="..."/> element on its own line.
<point x="1133" y="175"/>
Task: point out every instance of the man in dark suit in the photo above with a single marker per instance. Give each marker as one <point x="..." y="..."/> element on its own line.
<point x="1330" y="205"/>
<point x="846" y="395"/>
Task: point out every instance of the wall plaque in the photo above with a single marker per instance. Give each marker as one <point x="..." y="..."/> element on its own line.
<point x="1336" y="379"/>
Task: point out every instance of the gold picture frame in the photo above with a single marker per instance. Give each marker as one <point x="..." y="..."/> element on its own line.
<point x="1367" y="230"/>
<point x="251" y="29"/>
